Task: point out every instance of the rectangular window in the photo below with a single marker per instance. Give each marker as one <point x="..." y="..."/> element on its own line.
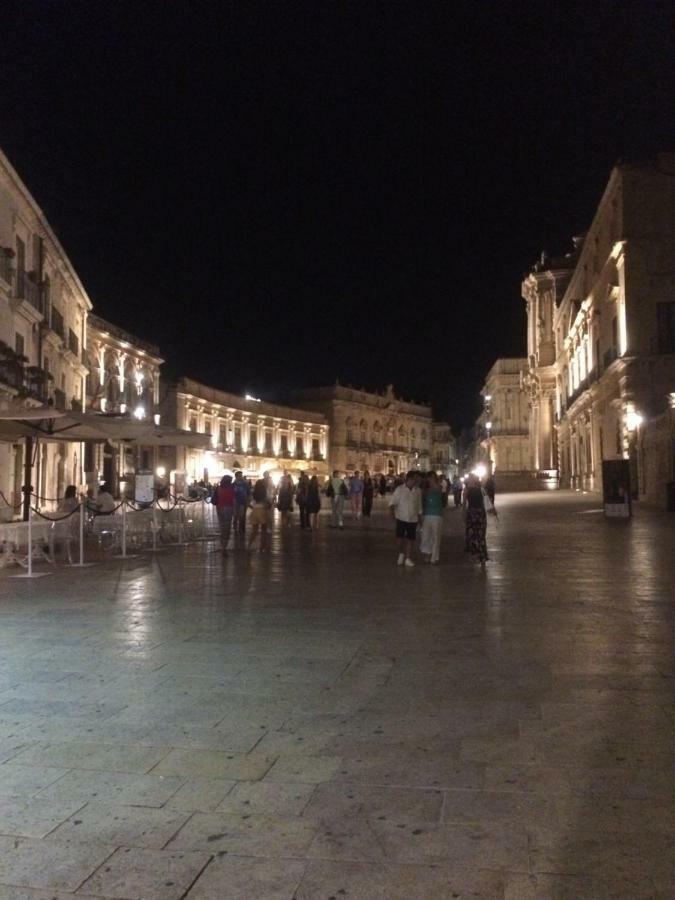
<point x="19" y="344"/>
<point x="316" y="451"/>
<point x="665" y="327"/>
<point x="283" y="445"/>
<point x="269" y="449"/>
<point x="615" y="336"/>
<point x="20" y="267"/>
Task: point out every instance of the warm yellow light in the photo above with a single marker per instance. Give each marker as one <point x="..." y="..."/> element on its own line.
<point x="480" y="471"/>
<point x="633" y="420"/>
<point x="160" y="471"/>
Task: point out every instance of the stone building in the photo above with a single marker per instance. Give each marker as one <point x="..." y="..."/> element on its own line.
<point x="43" y="332"/>
<point x="502" y="427"/>
<point x="123" y="377"/>
<point x="378" y="432"/>
<point x="614" y="336"/>
<point x="246" y="433"/>
<point x="444" y="457"/>
<point x="543" y="290"/>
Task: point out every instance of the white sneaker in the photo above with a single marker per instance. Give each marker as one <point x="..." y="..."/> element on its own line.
<point x="410" y="564"/>
<point x="401" y="558"/>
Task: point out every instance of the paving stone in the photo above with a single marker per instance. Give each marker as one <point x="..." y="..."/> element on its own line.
<point x="383" y="803"/>
<point x="129" y="826"/>
<point x="114" y="787"/>
<point x="25" y="862"/>
<point x="237" y="878"/>
<point x="26" y="781"/>
<point x="146" y="874"/>
<point x="386" y="881"/>
<point x="267" y="798"/>
<point x="100" y="757"/>
<point x="214" y="764"/>
<point x="246" y="835"/>
<point x="32" y="817"/>
<point x="201" y="794"/>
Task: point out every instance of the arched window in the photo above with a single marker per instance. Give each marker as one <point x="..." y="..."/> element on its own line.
<point x="377" y="432"/>
<point x="424" y="435"/>
<point x="350" y="428"/>
<point x="363" y="430"/>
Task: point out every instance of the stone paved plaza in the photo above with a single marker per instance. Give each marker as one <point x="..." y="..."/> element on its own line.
<point x="318" y="723"/>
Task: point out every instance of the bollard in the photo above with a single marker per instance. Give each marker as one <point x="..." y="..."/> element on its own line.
<point x="124" y="528"/>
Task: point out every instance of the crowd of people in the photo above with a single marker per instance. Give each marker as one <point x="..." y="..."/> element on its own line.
<point x="416" y="502"/>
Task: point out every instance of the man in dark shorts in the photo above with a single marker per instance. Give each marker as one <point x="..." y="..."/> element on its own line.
<point x="406" y="508"/>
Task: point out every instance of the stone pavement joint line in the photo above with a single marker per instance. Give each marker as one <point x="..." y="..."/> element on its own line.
<point x="317" y="722"/>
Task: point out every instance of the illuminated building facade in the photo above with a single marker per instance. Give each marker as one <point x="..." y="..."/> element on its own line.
<point x="123" y="377"/>
<point x="378" y="432"/>
<point x="502" y="427"/>
<point x="43" y="332"/>
<point x="444" y="450"/>
<point x="246" y="433"/>
<point x="614" y="333"/>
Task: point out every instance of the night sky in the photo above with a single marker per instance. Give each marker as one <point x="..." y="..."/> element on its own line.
<point x="282" y="194"/>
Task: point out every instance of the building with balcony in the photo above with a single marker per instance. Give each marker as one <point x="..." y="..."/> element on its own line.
<point x="123" y="378"/>
<point x="246" y="433"/>
<point x="43" y="329"/>
<point x="614" y="336"/>
<point x="378" y="432"/>
<point x="502" y="432"/>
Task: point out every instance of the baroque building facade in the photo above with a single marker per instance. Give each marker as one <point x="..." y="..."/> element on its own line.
<point x="245" y="433"/>
<point x="378" y="432"/>
<point x="601" y="339"/>
<point x="502" y="427"/>
<point x="123" y="378"/>
<point x="43" y="332"/>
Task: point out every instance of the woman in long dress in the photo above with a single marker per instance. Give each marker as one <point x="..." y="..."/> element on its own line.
<point x="313" y="502"/>
<point x="476" y="519"/>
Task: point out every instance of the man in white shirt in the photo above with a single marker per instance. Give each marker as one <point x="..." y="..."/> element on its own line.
<point x="406" y="508"/>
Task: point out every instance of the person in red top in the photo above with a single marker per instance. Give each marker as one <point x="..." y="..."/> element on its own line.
<point x="224" y="503"/>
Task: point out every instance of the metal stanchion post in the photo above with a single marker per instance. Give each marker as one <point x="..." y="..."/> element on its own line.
<point x="30" y="573"/>
<point x="154" y="529"/>
<point x="180" y="520"/>
<point x="124" y="554"/>
<point x="81" y="564"/>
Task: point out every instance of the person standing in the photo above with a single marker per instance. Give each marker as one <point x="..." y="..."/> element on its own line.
<point x="406" y="507"/>
<point x="259" y="518"/>
<point x="224" y="499"/>
<point x="301" y="499"/>
<point x="382" y="485"/>
<point x="337" y="491"/>
<point x="432" y="522"/>
<point x="490" y="490"/>
<point x="476" y="519"/>
<point x="457" y="488"/>
<point x="356" y="494"/>
<point x="285" y="499"/>
<point x="313" y="503"/>
<point x="368" y="494"/>
<point x="242" y="494"/>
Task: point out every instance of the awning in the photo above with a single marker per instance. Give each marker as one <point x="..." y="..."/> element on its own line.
<point x="50" y="424"/>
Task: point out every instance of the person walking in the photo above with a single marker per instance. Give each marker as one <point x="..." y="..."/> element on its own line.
<point x="259" y="517"/>
<point x="406" y="507"/>
<point x="490" y="490"/>
<point x="301" y="499"/>
<point x="285" y="499"/>
<point x="432" y="522"/>
<point x="337" y="491"/>
<point x="242" y="495"/>
<point x="368" y="494"/>
<point x="476" y="519"/>
<point x="457" y="488"/>
<point x="382" y="485"/>
<point x="224" y="500"/>
<point x="313" y="505"/>
<point x="356" y="494"/>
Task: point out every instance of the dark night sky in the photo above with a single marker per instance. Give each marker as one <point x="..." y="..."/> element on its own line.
<point x="283" y="193"/>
